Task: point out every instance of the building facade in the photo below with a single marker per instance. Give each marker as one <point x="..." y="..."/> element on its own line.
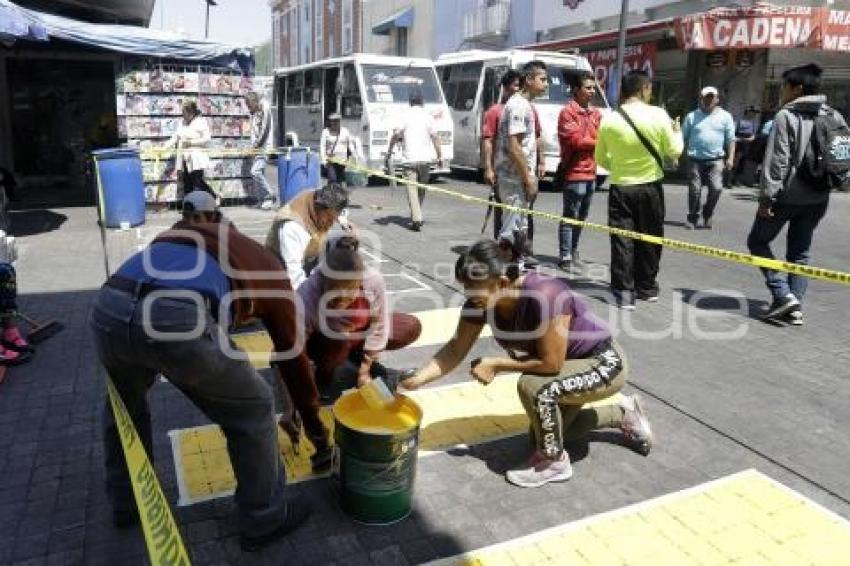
<point x="399" y="27"/>
<point x="429" y="28"/>
<point x="481" y="24"/>
<point x="747" y="73"/>
<point x="304" y="31"/>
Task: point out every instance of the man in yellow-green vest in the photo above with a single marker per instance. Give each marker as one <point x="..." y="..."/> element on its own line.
<point x="633" y="144"/>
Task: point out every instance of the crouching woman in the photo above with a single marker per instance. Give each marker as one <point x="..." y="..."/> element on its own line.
<point x="566" y="355"/>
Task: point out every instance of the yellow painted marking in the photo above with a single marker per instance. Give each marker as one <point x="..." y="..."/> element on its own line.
<point x="746" y="518"/>
<point x="462" y="414"/>
<point x="438" y="326"/>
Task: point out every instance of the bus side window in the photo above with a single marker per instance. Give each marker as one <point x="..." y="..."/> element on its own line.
<point x="294" y="89"/>
<point x="466" y="86"/>
<point x="313" y="87"/>
<point x="491" y="89"/>
<point x="352" y="101"/>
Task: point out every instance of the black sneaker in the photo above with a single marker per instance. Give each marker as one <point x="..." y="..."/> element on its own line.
<point x="295" y="513"/>
<point x="566" y="264"/>
<point x="782" y="306"/>
<point x="794" y="318"/>
<point x="416" y="225"/>
<point x="625" y="300"/>
<point x="706" y="224"/>
<point x="648" y="297"/>
<point x="321" y="461"/>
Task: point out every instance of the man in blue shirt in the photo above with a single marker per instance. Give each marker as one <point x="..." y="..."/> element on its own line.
<point x="167" y="310"/>
<point x="709" y="134"/>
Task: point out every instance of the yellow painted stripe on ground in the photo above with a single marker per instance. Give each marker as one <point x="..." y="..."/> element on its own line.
<point x="438" y="326"/>
<point x="746" y="518"/>
<point x="463" y="414"/>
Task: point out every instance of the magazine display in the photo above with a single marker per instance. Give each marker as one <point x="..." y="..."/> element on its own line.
<point x="149" y="104"/>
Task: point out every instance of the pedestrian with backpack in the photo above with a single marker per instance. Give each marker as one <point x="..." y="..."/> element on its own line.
<point x="807" y="155"/>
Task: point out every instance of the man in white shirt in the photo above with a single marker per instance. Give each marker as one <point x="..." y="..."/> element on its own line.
<point x="299" y="230"/>
<point x="418" y="137"/>
<point x="516" y="159"/>
<point x="261" y="138"/>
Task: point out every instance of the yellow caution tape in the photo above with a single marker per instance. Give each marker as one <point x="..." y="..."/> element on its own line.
<point x="718" y="253"/>
<point x="823" y="274"/>
<point x="162" y="537"/>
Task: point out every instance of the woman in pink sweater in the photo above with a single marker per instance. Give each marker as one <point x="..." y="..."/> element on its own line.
<point x="346" y="316"/>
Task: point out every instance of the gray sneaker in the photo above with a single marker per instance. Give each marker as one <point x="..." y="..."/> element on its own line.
<point x="636" y="427"/>
<point x="541" y="470"/>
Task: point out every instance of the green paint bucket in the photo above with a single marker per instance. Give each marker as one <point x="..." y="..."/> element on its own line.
<point x="375" y="460"/>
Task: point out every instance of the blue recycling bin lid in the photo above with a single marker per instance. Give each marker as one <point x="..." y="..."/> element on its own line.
<point x="115" y="153"/>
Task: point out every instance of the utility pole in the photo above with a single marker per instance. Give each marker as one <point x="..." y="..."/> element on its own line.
<point x="207" y="26"/>
<point x="621" y="47"/>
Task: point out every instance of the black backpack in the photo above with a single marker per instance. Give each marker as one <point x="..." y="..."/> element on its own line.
<point x="826" y="162"/>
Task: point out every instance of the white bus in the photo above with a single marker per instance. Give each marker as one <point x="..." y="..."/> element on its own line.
<point x="370" y="92"/>
<point x="471" y="79"/>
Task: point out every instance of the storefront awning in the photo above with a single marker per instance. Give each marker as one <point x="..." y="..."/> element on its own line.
<point x="135" y="40"/>
<point x="765" y="26"/>
<point x="658" y="28"/>
<point x="403" y="19"/>
<point x="14" y="24"/>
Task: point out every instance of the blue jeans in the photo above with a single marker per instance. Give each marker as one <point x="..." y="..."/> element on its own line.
<point x="262" y="190"/>
<point x="802" y="221"/>
<point x="577" y="197"/>
<point x="228" y="391"/>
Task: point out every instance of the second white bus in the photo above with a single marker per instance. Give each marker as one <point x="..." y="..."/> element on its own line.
<point x="471" y="82"/>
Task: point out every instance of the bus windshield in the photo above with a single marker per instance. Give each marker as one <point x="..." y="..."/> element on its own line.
<point x="559" y="91"/>
<point x="385" y="83"/>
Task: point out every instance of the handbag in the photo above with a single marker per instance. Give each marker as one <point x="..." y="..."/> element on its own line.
<point x="646" y="144"/>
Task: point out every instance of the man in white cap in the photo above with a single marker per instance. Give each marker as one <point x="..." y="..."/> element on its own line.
<point x="337" y="142"/>
<point x="200" y="206"/>
<point x="167" y="310"/>
<point x="709" y="134"/>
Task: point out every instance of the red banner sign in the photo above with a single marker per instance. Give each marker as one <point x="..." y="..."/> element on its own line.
<point x="765" y="26"/>
<point x="638" y="57"/>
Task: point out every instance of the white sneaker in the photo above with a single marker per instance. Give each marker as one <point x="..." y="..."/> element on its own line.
<point x="636" y="427"/>
<point x="541" y="470"/>
<point x="267" y="204"/>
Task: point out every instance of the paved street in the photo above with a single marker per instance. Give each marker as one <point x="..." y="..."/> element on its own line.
<point x="725" y="392"/>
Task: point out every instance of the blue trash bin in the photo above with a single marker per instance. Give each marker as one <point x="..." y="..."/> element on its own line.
<point x="122" y="187"/>
<point x="297" y="171"/>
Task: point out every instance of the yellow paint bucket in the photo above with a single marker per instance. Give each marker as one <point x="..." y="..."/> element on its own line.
<point x="376" y="457"/>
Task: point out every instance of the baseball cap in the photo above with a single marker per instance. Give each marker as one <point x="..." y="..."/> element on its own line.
<point x="709" y="90"/>
<point x="199" y="201"/>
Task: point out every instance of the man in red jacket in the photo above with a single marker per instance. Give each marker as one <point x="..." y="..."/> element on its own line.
<point x="578" y="127"/>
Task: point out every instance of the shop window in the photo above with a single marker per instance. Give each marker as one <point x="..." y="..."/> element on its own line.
<point x="352" y="102"/>
<point x="313" y="87"/>
<point x="401" y="42"/>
